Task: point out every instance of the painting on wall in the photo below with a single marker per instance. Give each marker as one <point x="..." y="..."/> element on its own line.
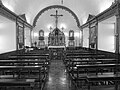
<point x="92" y="36"/>
<point x="20" y="37"/>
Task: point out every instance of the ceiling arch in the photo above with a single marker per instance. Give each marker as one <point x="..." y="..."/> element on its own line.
<point x="53" y="7"/>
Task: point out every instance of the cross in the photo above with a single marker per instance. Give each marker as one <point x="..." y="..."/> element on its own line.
<point x="56" y="17"/>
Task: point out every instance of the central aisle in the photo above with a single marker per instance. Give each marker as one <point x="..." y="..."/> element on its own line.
<point x="57" y="77"/>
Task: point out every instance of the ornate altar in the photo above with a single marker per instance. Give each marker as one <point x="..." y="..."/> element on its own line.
<point x="56" y="38"/>
<point x="56" y="44"/>
<point x="56" y="41"/>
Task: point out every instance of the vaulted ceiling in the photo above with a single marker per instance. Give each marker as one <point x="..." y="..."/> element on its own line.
<point x="82" y="8"/>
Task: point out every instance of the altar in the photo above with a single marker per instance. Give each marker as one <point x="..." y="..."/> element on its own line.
<point x="56" y="44"/>
<point x="56" y="41"/>
<point x="56" y="38"/>
<point x="54" y="47"/>
<point x="57" y="52"/>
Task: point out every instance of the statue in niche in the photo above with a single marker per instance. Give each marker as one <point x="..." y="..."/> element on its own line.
<point x="41" y="35"/>
<point x="71" y="38"/>
<point x="41" y="43"/>
<point x="71" y="35"/>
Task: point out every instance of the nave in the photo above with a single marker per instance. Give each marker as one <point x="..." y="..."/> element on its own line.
<point x="73" y="45"/>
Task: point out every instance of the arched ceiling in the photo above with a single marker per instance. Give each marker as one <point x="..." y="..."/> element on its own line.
<point x="82" y="8"/>
<point x="56" y="7"/>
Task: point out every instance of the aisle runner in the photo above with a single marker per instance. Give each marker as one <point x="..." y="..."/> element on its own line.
<point x="57" y="77"/>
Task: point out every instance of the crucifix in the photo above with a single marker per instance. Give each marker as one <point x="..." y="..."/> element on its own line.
<point x="56" y="17"/>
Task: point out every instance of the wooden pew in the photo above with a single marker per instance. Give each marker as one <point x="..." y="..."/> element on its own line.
<point x="20" y="80"/>
<point x="76" y="63"/>
<point x="103" y="80"/>
<point x="28" y="57"/>
<point x="79" y="69"/>
<point x="83" y="64"/>
<point x="19" y="70"/>
<point x="43" y="63"/>
<point x="81" y="72"/>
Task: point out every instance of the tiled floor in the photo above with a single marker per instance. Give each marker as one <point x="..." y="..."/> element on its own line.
<point x="57" y="77"/>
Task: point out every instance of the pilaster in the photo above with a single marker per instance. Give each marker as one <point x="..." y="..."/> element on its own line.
<point x="117" y="34"/>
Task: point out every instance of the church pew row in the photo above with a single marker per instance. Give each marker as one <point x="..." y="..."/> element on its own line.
<point x="71" y="63"/>
<point x="43" y="63"/>
<point x="91" y="61"/>
<point x="82" y="53"/>
<point x="85" y="67"/>
<point x="18" y="52"/>
<point x="20" y="80"/>
<point x="88" y="54"/>
<point x="27" y="57"/>
<point x="82" y="75"/>
<point x="101" y="80"/>
<point x="87" y="58"/>
<point x="87" y="50"/>
<point x="33" y="53"/>
<point x="22" y="70"/>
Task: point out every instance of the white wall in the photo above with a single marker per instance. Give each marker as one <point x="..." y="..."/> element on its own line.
<point x="7" y="35"/>
<point x="106" y="36"/>
<point x="86" y="37"/>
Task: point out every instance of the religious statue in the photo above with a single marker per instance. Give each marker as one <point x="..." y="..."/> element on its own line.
<point x="71" y="39"/>
<point x="41" y="42"/>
